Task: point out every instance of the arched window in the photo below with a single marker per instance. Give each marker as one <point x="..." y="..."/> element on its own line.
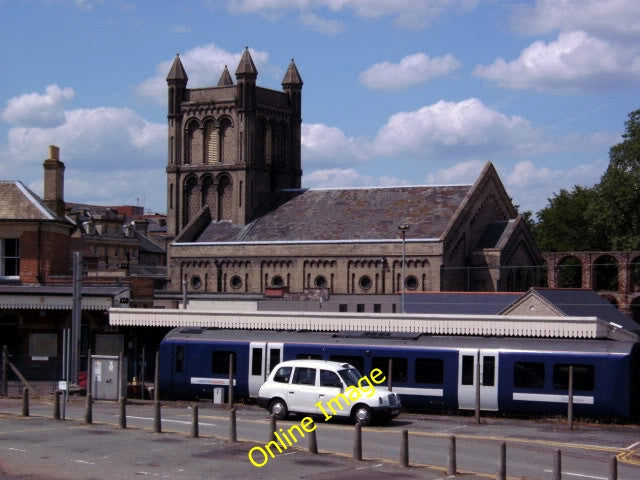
<point x="193" y="155"/>
<point x="225" y="199"/>
<point x="211" y="143"/>
<point x="190" y="203"/>
<point x="208" y="193"/>
<point x="227" y="153"/>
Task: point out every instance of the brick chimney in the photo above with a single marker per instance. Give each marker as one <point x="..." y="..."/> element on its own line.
<point x="54" y="181"/>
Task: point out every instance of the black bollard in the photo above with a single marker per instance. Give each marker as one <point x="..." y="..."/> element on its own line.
<point x="557" y="465"/>
<point x="56" y="405"/>
<point x="272" y="428"/>
<point x="157" y="421"/>
<point x="570" y="400"/>
<point x="88" y="409"/>
<point x="613" y="468"/>
<point x="313" y="442"/>
<point x="25" y="402"/>
<point x="404" y="448"/>
<point x="195" y="427"/>
<point x="451" y="469"/>
<point x="122" y="420"/>
<point x="357" y="443"/>
<point x="502" y="462"/>
<point x="233" y="436"/>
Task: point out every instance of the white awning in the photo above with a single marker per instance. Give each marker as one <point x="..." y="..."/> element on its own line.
<point x="474" y="325"/>
<point x="57" y="302"/>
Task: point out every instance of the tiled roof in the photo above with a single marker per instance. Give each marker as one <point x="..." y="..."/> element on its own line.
<point x="17" y="202"/>
<point x="347" y="214"/>
<point x="467" y="303"/>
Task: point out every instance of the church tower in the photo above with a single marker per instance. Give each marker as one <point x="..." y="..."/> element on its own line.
<point x="230" y="146"/>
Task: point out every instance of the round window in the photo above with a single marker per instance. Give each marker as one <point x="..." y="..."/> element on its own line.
<point x="236" y="282"/>
<point x="411" y="283"/>
<point x="365" y="282"/>
<point x="277" y="281"/>
<point x="196" y="282"/>
<point x="320" y="282"/>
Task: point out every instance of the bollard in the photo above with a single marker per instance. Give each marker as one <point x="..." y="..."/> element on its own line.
<point x="122" y="420"/>
<point x="357" y="443"/>
<point x="477" y="406"/>
<point x="451" y="469"/>
<point x="89" y="373"/>
<point x="157" y="421"/>
<point x="613" y="468"/>
<point x="25" y="402"/>
<point x="390" y="373"/>
<point x="56" y="405"/>
<point x="404" y="448"/>
<point x="4" y="390"/>
<point x="195" y="427"/>
<point x="313" y="442"/>
<point x="233" y="436"/>
<point x="88" y="409"/>
<point x="156" y="379"/>
<point x="570" y="399"/>
<point x="272" y="428"/>
<point x="502" y="462"/>
<point x="231" y="381"/>
<point x="557" y="465"/>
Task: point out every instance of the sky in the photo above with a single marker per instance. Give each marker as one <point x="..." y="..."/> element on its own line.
<point x="396" y="92"/>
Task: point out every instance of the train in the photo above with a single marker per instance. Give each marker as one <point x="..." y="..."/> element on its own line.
<point x="430" y="373"/>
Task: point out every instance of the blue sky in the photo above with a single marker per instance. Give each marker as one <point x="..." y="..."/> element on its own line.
<point x="395" y="92"/>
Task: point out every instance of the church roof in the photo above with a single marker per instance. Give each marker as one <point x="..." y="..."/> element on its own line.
<point x="292" y="76"/>
<point x="346" y="214"/>
<point x="177" y="71"/>
<point x="17" y="202"/>
<point x="246" y="65"/>
<point x="225" y="78"/>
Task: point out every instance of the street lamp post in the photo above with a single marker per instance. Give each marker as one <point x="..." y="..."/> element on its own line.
<point x="403" y="231"/>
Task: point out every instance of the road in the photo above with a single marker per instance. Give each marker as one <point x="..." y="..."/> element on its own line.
<point x="586" y="452"/>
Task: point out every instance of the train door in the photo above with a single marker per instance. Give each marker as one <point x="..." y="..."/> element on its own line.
<point x="467" y="378"/>
<point x="257" y="367"/>
<point x="179" y="369"/>
<point x="274" y="356"/>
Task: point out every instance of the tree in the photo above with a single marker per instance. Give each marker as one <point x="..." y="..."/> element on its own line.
<point x="605" y="216"/>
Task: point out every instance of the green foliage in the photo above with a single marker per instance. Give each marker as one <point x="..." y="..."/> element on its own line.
<point x="604" y="217"/>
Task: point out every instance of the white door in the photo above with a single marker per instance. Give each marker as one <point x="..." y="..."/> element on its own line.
<point x="302" y="394"/>
<point x="257" y="367"/>
<point x="468" y="378"/>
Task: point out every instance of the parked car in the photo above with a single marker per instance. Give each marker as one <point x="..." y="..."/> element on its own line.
<point x="326" y="388"/>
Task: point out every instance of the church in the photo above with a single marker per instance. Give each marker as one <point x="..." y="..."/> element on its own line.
<point x="239" y="221"/>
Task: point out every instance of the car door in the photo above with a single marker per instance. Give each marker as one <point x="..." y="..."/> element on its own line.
<point x="330" y="386"/>
<point x="303" y="391"/>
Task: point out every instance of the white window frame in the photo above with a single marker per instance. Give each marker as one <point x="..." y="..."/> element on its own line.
<point x="3" y="258"/>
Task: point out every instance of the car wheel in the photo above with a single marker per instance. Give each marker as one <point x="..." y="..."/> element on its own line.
<point x="278" y="409"/>
<point x="362" y="415"/>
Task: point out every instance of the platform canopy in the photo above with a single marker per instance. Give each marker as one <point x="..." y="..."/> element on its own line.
<point x="477" y="325"/>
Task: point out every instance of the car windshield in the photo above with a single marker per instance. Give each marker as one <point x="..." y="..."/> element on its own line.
<point x="350" y="376"/>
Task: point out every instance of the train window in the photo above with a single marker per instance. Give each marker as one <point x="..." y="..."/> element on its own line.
<point x="399" y="368"/>
<point x="357" y="362"/>
<point x="179" y="358"/>
<point x="430" y="370"/>
<point x="360" y="307"/>
<point x="528" y="374"/>
<point x="304" y="376"/>
<point x="282" y="375"/>
<point x="220" y="362"/>
<point x="256" y="366"/>
<point x="467" y="370"/>
<point x="377" y="308"/>
<point x="488" y="371"/>
<point x="274" y="358"/>
<point x="583" y="377"/>
<point x="342" y="307"/>
<point x="308" y="356"/>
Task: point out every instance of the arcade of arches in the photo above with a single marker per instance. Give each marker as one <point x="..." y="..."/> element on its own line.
<point x="615" y="275"/>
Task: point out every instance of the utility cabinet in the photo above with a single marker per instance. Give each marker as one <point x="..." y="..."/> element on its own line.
<point x="107" y="383"/>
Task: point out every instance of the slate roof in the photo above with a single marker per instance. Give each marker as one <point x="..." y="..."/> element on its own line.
<point x="17" y="202"/>
<point x="585" y="302"/>
<point x="225" y="78"/>
<point x="346" y="214"/>
<point x="467" y="303"/>
<point x="147" y="245"/>
<point x="177" y="71"/>
<point x="292" y="75"/>
<point x="246" y="65"/>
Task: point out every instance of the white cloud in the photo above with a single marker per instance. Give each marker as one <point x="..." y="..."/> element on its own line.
<point x="203" y="65"/>
<point x="463" y="172"/>
<point x="336" y="178"/>
<point x="99" y="139"/>
<point x="466" y="127"/>
<point x="408" y="13"/>
<point x="412" y="70"/>
<point x="574" y="62"/>
<point x="321" y="24"/>
<point x="38" y="110"/>
<point x="325" y="145"/>
<point x="616" y="17"/>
